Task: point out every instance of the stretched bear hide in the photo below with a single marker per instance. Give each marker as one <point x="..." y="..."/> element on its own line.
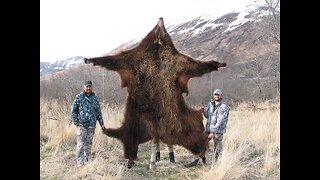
<point x="156" y="75"/>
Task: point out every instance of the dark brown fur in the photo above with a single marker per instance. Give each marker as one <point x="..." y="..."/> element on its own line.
<point x="156" y="75"/>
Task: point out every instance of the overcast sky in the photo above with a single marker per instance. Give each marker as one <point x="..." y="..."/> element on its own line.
<point x="92" y="27"/>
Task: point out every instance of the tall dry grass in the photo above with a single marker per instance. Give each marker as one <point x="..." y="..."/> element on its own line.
<point x="251" y="148"/>
<point x="251" y="145"/>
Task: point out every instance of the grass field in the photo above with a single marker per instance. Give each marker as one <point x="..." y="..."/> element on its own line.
<point x="251" y="148"/>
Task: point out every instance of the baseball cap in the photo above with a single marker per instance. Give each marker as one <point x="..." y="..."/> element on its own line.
<point x="86" y="83"/>
<point x="217" y="91"/>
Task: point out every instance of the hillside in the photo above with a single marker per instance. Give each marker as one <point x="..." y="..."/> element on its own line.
<point x="248" y="42"/>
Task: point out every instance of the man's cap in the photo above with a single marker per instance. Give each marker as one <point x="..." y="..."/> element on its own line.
<point x="86" y="83"/>
<point x="217" y="91"/>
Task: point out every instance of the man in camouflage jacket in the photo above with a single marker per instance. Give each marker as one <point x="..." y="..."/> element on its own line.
<point x="217" y="113"/>
<point x="85" y="112"/>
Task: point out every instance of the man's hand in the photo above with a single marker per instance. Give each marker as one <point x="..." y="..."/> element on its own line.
<point x="202" y="109"/>
<point x="211" y="135"/>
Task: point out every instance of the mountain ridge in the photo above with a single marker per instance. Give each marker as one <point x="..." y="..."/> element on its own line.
<point x="183" y="33"/>
<point x="248" y="43"/>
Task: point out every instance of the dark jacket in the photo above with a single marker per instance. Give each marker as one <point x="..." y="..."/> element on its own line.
<point x="85" y="110"/>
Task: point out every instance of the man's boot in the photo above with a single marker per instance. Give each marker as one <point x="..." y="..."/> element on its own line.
<point x="130" y="164"/>
<point x="204" y="159"/>
<point x="171" y="156"/>
<point x="193" y="163"/>
<point x="157" y="156"/>
<point x="216" y="157"/>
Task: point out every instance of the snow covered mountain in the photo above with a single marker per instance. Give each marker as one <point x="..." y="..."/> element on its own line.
<point x="213" y="35"/>
<point x="60" y="65"/>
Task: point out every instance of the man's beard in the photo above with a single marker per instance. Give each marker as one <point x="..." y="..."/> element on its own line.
<point x="218" y="100"/>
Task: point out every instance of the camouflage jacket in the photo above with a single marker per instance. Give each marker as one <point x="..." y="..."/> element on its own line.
<point x="86" y="111"/>
<point x="217" y="117"/>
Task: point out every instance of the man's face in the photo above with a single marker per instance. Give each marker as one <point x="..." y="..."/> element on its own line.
<point x="87" y="88"/>
<point x="217" y="97"/>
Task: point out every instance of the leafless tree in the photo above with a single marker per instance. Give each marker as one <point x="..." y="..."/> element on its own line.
<point x="63" y="86"/>
<point x="268" y="28"/>
<point x="264" y="71"/>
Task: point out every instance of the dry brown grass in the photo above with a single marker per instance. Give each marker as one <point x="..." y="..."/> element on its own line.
<point x="251" y="148"/>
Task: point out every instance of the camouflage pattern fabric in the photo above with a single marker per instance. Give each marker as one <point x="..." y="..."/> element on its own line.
<point x="86" y="110"/>
<point x="217" y="117"/>
<point x="217" y="145"/>
<point x="84" y="144"/>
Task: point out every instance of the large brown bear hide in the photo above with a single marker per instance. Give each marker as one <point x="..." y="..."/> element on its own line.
<point x="156" y="75"/>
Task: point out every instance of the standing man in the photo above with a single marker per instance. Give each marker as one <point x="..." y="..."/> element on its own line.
<point x="85" y="112"/>
<point x="217" y="114"/>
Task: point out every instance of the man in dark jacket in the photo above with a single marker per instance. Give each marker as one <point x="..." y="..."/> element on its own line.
<point x="85" y="112"/>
